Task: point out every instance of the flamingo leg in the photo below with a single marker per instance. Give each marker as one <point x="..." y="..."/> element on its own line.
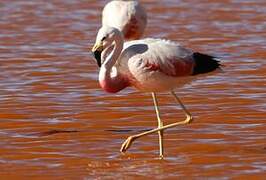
<point x="188" y="115"/>
<point x="188" y="119"/>
<point x="160" y="123"/>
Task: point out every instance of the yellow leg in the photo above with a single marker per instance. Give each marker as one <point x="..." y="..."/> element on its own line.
<point x="188" y="115"/>
<point x="160" y="123"/>
<point x="130" y="139"/>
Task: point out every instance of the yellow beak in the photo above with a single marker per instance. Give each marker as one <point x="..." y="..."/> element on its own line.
<point x="97" y="47"/>
<point x="97" y="50"/>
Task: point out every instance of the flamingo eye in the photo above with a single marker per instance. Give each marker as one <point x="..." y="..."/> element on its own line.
<point x="103" y="38"/>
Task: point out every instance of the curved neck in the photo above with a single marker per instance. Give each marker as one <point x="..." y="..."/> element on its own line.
<point x="111" y="59"/>
<point x="115" y="49"/>
<point x="109" y="77"/>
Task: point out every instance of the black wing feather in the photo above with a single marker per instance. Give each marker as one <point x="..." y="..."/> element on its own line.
<point x="204" y="63"/>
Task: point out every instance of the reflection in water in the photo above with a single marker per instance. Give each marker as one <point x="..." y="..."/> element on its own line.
<point x="56" y="119"/>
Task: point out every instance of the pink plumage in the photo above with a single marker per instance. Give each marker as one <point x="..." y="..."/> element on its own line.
<point x="151" y="65"/>
<point x="128" y="16"/>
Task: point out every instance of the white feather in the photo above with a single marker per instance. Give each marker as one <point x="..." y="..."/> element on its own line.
<point x="128" y="16"/>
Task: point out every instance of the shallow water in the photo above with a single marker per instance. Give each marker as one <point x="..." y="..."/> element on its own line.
<point x="56" y="122"/>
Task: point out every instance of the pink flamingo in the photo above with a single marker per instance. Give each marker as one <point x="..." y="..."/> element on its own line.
<point x="150" y="65"/>
<point x="128" y="16"/>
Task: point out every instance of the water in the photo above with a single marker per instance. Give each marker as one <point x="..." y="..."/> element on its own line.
<point x="56" y="122"/>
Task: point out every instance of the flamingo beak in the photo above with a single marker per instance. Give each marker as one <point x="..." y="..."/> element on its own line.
<point x="97" y="51"/>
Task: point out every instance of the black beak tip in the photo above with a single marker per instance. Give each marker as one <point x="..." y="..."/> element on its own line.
<point x="97" y="56"/>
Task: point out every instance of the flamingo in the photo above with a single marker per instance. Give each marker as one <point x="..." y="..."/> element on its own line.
<point x="128" y="16"/>
<point x="149" y="65"/>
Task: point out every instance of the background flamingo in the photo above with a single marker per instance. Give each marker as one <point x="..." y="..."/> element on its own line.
<point x="126" y="15"/>
<point x="151" y="65"/>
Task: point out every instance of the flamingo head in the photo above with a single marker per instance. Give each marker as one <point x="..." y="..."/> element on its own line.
<point x="105" y="37"/>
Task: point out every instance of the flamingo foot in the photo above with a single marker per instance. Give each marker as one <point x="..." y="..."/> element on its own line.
<point x="127" y="143"/>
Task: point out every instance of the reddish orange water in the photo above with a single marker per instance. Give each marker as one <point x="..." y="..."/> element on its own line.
<point x="56" y="123"/>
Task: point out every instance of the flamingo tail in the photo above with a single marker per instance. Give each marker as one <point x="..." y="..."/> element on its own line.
<point x="204" y="63"/>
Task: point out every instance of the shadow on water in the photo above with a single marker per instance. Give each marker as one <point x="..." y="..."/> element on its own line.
<point x="61" y="131"/>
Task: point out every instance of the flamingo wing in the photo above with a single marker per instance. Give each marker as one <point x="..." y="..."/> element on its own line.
<point x="179" y="61"/>
<point x="167" y="57"/>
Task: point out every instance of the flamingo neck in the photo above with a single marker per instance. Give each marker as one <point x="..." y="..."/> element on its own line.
<point x="109" y="78"/>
